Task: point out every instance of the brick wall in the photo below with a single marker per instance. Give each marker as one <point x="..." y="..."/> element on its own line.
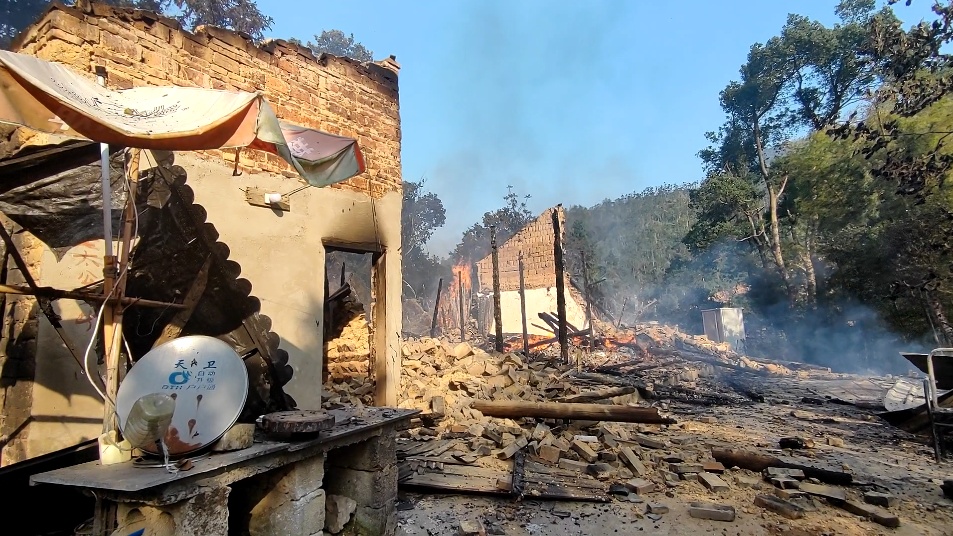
<point x="336" y="95"/>
<point x="536" y="242"/>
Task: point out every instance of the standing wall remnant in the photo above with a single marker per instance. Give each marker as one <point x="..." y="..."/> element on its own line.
<point x="281" y="255"/>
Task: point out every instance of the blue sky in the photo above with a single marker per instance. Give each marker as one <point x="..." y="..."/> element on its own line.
<point x="571" y="102"/>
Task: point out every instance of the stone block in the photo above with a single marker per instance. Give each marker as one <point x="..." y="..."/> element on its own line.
<point x="640" y="486"/>
<point x="299" y="479"/>
<point x="584" y="451"/>
<point x="713" y="482"/>
<point x="337" y="512"/>
<point x="374" y="489"/>
<point x="774" y="472"/>
<point x="549" y="453"/>
<point x="238" y="437"/>
<point x="277" y="513"/>
<point x="656" y="508"/>
<point x="716" y="512"/>
<point x="820" y="490"/>
<point x="712" y="466"/>
<point x="573" y="465"/>
<point x="873" y="513"/>
<point x="370" y="455"/>
<point x="680" y="468"/>
<point x="372" y="521"/>
<point x="779" y="506"/>
<point x="881" y="499"/>
<point x="632" y="461"/>
<point x="204" y="514"/>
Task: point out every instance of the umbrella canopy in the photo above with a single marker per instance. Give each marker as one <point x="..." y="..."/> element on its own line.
<point x="49" y="97"/>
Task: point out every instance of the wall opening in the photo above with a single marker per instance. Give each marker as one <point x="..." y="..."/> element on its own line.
<point x="348" y="319"/>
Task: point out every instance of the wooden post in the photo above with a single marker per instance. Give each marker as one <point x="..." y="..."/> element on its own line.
<point x="585" y="284"/>
<point x="622" y="312"/>
<point x="497" y="313"/>
<point x="114" y="338"/>
<point x="385" y="359"/>
<point x="436" y="309"/>
<point x="523" y="307"/>
<point x="463" y="335"/>
<point x="560" y="285"/>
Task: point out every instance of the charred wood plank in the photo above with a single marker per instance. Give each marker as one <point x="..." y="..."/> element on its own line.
<point x="759" y="462"/>
<point x="559" y="410"/>
<point x="601" y="394"/>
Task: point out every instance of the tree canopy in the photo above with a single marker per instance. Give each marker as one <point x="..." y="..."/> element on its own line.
<point x="338" y="43"/>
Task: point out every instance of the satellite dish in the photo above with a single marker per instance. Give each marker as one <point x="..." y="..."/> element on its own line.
<point x="208" y="381"/>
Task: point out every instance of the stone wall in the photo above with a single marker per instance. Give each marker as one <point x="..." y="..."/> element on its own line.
<point x="17" y="353"/>
<point x="138" y="48"/>
<point x="536" y="242"/>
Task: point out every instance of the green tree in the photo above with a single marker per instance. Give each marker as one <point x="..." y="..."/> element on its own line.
<point x="421" y="215"/>
<point x="803" y="79"/>
<point x="904" y="135"/>
<point x="508" y="220"/>
<point x="337" y="43"/>
<point x="15" y="15"/>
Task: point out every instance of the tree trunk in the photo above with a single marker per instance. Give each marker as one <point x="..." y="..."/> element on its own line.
<point x="936" y="307"/>
<point x="774" y="195"/>
<point x="810" y="275"/>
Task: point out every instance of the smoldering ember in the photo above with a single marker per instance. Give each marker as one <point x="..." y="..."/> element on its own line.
<point x="219" y="318"/>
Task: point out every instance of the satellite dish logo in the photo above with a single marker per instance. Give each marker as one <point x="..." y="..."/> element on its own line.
<point x="179" y="377"/>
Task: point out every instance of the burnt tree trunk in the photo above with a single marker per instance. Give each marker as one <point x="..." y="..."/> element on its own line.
<point x="943" y="322"/>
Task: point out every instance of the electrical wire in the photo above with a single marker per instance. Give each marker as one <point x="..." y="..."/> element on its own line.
<point x="112" y="291"/>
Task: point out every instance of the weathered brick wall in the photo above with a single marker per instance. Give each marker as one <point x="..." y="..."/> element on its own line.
<point x="137" y="48"/>
<point x="17" y="352"/>
<point x="536" y="242"/>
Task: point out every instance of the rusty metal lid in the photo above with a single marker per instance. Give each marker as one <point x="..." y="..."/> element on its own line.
<point x="206" y="377"/>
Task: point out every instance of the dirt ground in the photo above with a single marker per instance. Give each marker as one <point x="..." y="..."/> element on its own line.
<point x="881" y="458"/>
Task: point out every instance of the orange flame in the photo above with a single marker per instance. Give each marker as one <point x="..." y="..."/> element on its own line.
<point x="515" y="344"/>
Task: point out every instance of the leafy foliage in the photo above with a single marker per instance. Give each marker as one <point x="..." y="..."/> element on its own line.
<point x="15" y="15"/>
<point x="508" y="220"/>
<point x="337" y="43"/>
<point x="421" y="215"/>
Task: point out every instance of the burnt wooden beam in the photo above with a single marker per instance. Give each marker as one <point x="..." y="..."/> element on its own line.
<point x="523" y="307"/>
<point x="174" y="328"/>
<point x="436" y="309"/>
<point x="560" y="285"/>
<point x="497" y="313"/>
<point x="558" y="410"/>
<point x="755" y="461"/>
<point x="55" y="294"/>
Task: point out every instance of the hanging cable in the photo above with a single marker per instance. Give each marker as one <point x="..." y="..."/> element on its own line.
<point x="112" y="291"/>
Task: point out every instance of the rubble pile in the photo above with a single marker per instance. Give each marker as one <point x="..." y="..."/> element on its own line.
<point x="456" y="448"/>
<point x="348" y="347"/>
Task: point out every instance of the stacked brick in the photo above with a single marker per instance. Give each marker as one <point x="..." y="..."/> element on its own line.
<point x="138" y="48"/>
<point x="536" y="242"/>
